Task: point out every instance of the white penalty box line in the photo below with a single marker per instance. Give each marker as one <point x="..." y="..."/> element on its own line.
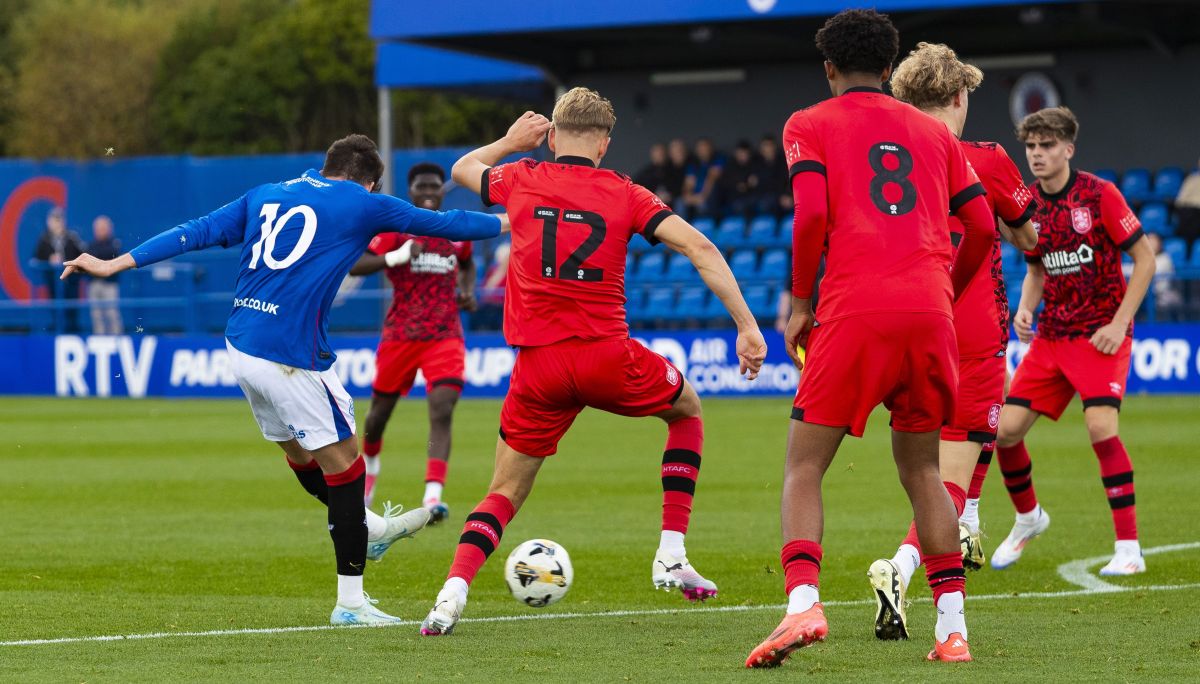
<point x="1074" y="572"/>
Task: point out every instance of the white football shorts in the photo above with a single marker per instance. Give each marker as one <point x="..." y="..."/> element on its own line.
<point x="309" y="406"/>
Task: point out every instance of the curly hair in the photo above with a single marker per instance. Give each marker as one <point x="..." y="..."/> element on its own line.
<point x="1055" y="122"/>
<point x="931" y="75"/>
<point x="426" y="167"/>
<point x="859" y="41"/>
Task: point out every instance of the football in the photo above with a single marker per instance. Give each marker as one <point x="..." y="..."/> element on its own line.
<point x="538" y="572"/>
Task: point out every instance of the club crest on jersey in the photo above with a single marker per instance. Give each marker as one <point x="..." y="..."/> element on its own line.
<point x="1081" y="220"/>
<point x="672" y="375"/>
<point x="994" y="416"/>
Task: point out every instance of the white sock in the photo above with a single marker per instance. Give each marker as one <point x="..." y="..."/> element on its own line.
<point x="376" y="525"/>
<point x="970" y="515"/>
<point x="1031" y="516"/>
<point x="908" y="559"/>
<point x="372" y="464"/>
<point x="802" y="598"/>
<point x="456" y="584"/>
<point x="433" y="492"/>
<point x="672" y="542"/>
<point x="350" y="591"/>
<point x="950" y="616"/>
<point x="1130" y="545"/>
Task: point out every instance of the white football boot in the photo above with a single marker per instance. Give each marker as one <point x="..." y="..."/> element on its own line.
<point x="1022" y="532"/>
<point x="399" y="526"/>
<point x="447" y="609"/>
<point x="891" y="623"/>
<point x="670" y="571"/>
<point x="1127" y="560"/>
<point x="366" y="614"/>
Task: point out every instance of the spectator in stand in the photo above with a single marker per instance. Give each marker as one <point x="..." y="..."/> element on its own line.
<point x="739" y="181"/>
<point x="491" y="293"/>
<point x="774" y="183"/>
<point x="1168" y="298"/>
<point x="56" y="245"/>
<point x="654" y="176"/>
<point x="103" y="293"/>
<point x="1187" y="209"/>
<point x="677" y="163"/>
<point x="700" y="184"/>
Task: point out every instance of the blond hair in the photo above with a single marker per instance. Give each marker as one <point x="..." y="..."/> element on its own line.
<point x="930" y="76"/>
<point x="582" y="110"/>
<point x="1055" y="122"/>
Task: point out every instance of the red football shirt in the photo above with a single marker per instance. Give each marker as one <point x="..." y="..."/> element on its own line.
<point x="424" y="303"/>
<point x="891" y="172"/>
<point x="1082" y="230"/>
<point x="571" y="226"/>
<point x="981" y="313"/>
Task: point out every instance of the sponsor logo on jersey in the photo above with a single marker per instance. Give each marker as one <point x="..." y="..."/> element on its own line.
<point x="256" y="305"/>
<point x="1081" y="220"/>
<point x="434" y="263"/>
<point x="1068" y="262"/>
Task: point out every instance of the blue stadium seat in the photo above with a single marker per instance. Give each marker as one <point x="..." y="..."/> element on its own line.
<point x="630" y="265"/>
<point x="705" y="224"/>
<point x="1107" y="174"/>
<point x="1167" y="182"/>
<point x="1155" y="218"/>
<point x="660" y="301"/>
<point x="680" y="270"/>
<point x="638" y="244"/>
<point x="762" y="232"/>
<point x="744" y="264"/>
<point x="1135" y="185"/>
<point x="650" y="266"/>
<point x="776" y="265"/>
<point x="1176" y="248"/>
<point x="760" y="301"/>
<point x="691" y="303"/>
<point x="731" y="232"/>
<point x="1010" y="257"/>
<point x="635" y="301"/>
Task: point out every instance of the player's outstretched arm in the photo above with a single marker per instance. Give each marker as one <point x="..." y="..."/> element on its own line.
<point x="526" y="133"/>
<point x="223" y="227"/>
<point x="1031" y="296"/>
<point x="371" y="262"/>
<point x="1108" y="339"/>
<point x="680" y="236"/>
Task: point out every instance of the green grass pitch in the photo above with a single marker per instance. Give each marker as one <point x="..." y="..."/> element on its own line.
<point x="132" y="517"/>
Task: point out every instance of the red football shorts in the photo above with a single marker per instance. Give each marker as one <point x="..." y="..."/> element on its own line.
<point x="980" y="393"/>
<point x="550" y="385"/>
<point x="906" y="361"/>
<point x="442" y="362"/>
<point x="1052" y="371"/>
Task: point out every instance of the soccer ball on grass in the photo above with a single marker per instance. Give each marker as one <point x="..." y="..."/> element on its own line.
<point x="538" y="572"/>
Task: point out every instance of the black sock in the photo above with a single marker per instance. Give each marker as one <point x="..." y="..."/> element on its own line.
<point x="348" y="519"/>
<point x="313" y="481"/>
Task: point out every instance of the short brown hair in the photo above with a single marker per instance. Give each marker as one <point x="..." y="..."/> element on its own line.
<point x="355" y="157"/>
<point x="1056" y="122"/>
<point x="931" y="75"/>
<point x="582" y="110"/>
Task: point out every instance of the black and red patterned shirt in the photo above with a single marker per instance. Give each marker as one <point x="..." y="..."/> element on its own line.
<point x="424" y="305"/>
<point x="1082" y="231"/>
<point x="981" y="313"/>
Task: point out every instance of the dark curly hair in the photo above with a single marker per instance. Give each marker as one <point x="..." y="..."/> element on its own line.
<point x="426" y="167"/>
<point x="859" y="41"/>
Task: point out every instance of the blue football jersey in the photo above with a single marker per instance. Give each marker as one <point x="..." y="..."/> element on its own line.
<point x="299" y="239"/>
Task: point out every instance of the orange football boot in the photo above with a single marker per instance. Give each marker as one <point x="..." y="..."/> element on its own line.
<point x="796" y="631"/>
<point x="953" y="650"/>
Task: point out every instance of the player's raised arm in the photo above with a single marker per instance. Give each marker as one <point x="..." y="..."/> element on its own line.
<point x="397" y="215"/>
<point x="526" y="133"/>
<point x="225" y="226"/>
<point x="680" y="236"/>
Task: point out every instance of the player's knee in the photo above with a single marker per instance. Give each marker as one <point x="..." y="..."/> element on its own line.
<point x="688" y="403"/>
<point x="1101" y="423"/>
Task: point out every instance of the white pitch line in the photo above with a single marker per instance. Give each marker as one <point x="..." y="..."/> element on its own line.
<point x="1076" y="572"/>
<point x="1064" y="570"/>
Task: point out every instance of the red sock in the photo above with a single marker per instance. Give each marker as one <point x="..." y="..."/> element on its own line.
<point x="680" y="468"/>
<point x="350" y="474"/>
<point x="957" y="495"/>
<point x="311" y="465"/>
<point x="1116" y="472"/>
<point x="801" y="560"/>
<point x="1016" y="468"/>
<point x="981" y="468"/>
<point x="945" y="574"/>
<point x="372" y="448"/>
<point x="435" y="470"/>
<point x="481" y="535"/>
